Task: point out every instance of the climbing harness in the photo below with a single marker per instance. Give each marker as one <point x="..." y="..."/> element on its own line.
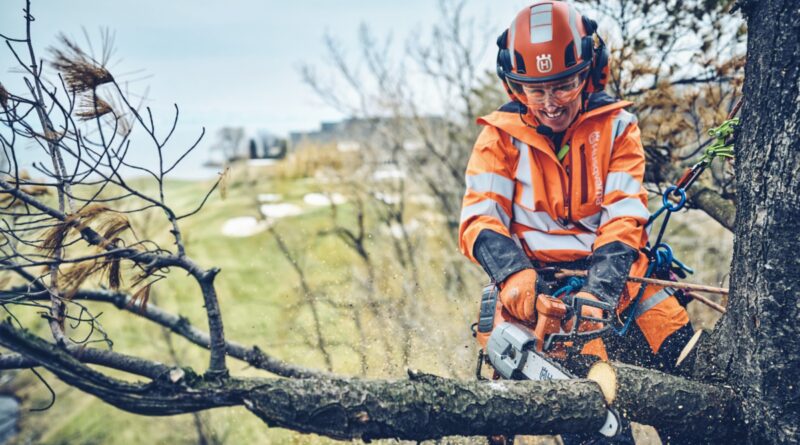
<point x="662" y="262"/>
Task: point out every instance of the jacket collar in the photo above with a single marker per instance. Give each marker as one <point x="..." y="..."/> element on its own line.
<point x="509" y="118"/>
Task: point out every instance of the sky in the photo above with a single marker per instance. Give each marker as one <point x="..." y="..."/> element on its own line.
<point x="232" y="63"/>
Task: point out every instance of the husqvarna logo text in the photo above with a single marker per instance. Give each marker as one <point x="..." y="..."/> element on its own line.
<point x="594" y="139"/>
<point x="544" y="63"/>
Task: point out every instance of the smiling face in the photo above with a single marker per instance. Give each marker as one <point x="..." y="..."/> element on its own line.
<point x="554" y="103"/>
<point x="557" y="117"/>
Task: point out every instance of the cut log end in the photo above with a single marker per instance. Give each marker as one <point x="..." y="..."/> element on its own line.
<point x="604" y="375"/>
<point x="689" y="346"/>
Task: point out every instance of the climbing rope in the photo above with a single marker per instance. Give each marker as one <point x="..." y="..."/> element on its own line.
<point x="662" y="260"/>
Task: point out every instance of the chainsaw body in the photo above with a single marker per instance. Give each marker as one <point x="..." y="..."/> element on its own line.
<point x="518" y="352"/>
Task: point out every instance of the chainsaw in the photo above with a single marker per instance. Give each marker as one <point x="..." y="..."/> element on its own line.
<point x="519" y="352"/>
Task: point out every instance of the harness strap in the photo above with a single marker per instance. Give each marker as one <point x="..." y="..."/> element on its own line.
<point x="656" y="298"/>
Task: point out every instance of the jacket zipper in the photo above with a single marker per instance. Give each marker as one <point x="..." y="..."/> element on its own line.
<point x="564" y="186"/>
<point x="584" y="179"/>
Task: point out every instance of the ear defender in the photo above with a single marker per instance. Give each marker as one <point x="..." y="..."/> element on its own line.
<point x="504" y="61"/>
<point x="600" y="66"/>
<point x="599" y="70"/>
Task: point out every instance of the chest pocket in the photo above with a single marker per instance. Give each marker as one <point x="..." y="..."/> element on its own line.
<point x="590" y="179"/>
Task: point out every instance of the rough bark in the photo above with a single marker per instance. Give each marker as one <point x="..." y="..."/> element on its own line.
<point x="422" y="407"/>
<point x="172" y="393"/>
<point x="700" y="409"/>
<point x="710" y="201"/>
<point x="756" y="347"/>
<point x="428" y="407"/>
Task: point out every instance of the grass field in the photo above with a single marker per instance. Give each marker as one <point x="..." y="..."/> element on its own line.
<point x="262" y="304"/>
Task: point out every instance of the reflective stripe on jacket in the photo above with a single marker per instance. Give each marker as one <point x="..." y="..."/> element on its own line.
<point x="557" y="211"/>
<point x="592" y="202"/>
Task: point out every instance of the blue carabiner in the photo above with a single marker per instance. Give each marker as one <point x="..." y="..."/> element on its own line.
<point x="668" y="204"/>
<point x="663" y="252"/>
<point x="573" y="285"/>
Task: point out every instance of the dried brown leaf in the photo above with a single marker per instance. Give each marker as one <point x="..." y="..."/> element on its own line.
<point x="114" y="277"/>
<point x="223" y="183"/>
<point x="141" y="297"/>
<point x="72" y="280"/>
<point x="4" y="96"/>
<point x="111" y="226"/>
<point x="111" y="268"/>
<point x="81" y="72"/>
<point x="54" y="237"/>
<point x="91" y="211"/>
<point x="92" y="108"/>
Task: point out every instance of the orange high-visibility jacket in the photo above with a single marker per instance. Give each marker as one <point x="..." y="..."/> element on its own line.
<point x="590" y="203"/>
<point x="557" y="211"/>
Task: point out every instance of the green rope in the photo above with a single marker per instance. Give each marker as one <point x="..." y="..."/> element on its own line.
<point x="720" y="147"/>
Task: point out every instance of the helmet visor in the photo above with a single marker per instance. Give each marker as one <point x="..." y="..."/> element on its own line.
<point x="558" y="92"/>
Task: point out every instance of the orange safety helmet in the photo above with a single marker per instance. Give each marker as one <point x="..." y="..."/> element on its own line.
<point x="546" y="42"/>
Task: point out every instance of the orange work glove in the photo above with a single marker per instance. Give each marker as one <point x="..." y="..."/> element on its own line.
<point x="518" y="294"/>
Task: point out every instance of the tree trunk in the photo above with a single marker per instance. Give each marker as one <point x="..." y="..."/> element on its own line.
<point x="756" y="346"/>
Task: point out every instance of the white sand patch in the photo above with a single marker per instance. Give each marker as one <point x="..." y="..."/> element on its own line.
<point x="432" y="217"/>
<point x="243" y="226"/>
<point x="269" y="197"/>
<point x="388" y="198"/>
<point x="325" y="176"/>
<point x="388" y="173"/>
<point x="261" y="162"/>
<point x="423" y="199"/>
<point x="396" y="230"/>
<point x="280" y="210"/>
<point x="318" y="199"/>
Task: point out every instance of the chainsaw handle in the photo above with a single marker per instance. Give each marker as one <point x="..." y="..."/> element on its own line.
<point x="579" y="302"/>
<point x="575" y="314"/>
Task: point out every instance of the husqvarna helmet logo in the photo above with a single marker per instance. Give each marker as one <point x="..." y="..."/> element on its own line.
<point x="544" y="63"/>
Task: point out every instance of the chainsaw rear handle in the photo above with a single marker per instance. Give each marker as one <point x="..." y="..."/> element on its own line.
<point x="579" y="302"/>
<point x="575" y="314"/>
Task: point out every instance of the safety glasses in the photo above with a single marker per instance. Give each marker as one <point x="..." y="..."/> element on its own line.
<point x="559" y="92"/>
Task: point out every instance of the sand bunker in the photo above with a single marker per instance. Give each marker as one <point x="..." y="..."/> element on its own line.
<point x="319" y="199"/>
<point x="269" y="197"/>
<point x="280" y="210"/>
<point x="243" y="226"/>
<point x="388" y="174"/>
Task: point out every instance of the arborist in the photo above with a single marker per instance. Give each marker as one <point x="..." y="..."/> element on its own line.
<point x="555" y="180"/>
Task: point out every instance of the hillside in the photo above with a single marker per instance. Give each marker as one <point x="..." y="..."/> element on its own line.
<point x="377" y="331"/>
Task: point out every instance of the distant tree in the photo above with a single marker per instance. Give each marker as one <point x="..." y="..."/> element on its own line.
<point x="229" y="143"/>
